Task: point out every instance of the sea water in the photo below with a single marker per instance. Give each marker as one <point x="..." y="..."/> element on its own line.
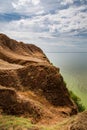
<point x="73" y="67"/>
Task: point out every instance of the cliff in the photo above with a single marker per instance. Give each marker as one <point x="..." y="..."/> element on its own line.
<point x="30" y="86"/>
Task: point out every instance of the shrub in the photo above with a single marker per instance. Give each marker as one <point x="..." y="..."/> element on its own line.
<point x="77" y="100"/>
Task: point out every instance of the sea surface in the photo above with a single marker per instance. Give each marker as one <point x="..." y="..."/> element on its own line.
<point x="73" y="67"/>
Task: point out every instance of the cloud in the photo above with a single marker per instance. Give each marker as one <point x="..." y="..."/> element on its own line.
<point x="24" y="3"/>
<point x="51" y="22"/>
<point x="73" y="2"/>
<point x="20" y="3"/>
<point x="67" y="22"/>
<point x="27" y="7"/>
<point x="35" y="2"/>
<point x="6" y="6"/>
<point x="65" y="2"/>
<point x="70" y="21"/>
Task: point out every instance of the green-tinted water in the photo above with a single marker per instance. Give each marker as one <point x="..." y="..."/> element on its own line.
<point x="73" y="67"/>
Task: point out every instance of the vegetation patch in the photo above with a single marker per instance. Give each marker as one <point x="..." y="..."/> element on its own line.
<point x="7" y="122"/>
<point x="77" y="100"/>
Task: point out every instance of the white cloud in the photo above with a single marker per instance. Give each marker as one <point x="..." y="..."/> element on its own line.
<point x="35" y="2"/>
<point x="65" y="2"/>
<point x="24" y="3"/>
<point x="20" y="3"/>
<point x="27" y="7"/>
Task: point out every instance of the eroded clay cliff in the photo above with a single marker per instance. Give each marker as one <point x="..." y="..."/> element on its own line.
<point x="29" y="84"/>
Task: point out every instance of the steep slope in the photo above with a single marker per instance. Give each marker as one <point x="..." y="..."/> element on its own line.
<point x="34" y="86"/>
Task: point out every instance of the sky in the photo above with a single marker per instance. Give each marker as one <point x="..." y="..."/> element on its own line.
<point x="53" y="25"/>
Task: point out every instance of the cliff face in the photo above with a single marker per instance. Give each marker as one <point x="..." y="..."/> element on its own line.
<point x="29" y="83"/>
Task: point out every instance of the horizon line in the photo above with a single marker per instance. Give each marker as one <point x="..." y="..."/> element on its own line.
<point x="65" y="52"/>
